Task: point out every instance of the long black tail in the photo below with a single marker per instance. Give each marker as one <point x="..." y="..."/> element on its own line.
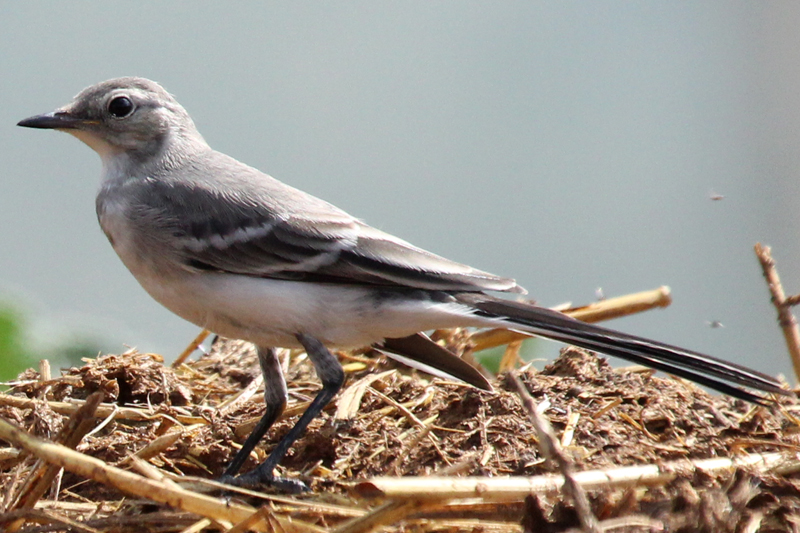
<point x="702" y="369"/>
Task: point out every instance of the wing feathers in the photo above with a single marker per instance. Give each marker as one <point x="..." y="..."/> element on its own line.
<point x="277" y="231"/>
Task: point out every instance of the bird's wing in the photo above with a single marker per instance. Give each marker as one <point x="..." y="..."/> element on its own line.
<point x="269" y="229"/>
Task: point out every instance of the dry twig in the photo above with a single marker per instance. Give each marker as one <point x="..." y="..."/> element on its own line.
<point x="506" y="489"/>
<point x="40" y="478"/>
<point x="127" y="482"/>
<point x="787" y="321"/>
<point x="551" y="450"/>
<point x="196" y="342"/>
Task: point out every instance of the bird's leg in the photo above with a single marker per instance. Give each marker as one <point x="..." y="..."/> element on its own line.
<point x="331" y="374"/>
<point x="274" y="397"/>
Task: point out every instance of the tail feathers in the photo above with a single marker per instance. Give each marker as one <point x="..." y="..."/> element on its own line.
<point x="702" y="369"/>
<point x="419" y="351"/>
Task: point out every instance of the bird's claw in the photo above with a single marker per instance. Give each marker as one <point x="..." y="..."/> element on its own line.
<point x="255" y="480"/>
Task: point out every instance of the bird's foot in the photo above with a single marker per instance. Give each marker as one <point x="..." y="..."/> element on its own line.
<point x="258" y="480"/>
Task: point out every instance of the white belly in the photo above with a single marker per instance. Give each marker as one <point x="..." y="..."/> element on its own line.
<point x="271" y="312"/>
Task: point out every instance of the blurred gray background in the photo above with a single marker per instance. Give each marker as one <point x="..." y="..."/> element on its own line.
<point x="572" y="145"/>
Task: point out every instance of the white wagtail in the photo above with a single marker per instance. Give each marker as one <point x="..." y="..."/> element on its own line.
<point x="237" y="252"/>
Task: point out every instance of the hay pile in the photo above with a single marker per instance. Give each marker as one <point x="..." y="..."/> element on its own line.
<point x="160" y="426"/>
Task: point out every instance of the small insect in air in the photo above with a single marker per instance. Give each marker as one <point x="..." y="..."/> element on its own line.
<point x="599" y="294"/>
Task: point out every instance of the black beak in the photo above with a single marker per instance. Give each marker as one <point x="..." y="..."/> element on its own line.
<point x="56" y="120"/>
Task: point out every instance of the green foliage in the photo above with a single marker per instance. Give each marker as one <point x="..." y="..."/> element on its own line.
<point x="19" y="350"/>
<point x="14" y="356"/>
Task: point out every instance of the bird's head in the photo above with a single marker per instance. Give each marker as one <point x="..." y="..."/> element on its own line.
<point x="131" y="116"/>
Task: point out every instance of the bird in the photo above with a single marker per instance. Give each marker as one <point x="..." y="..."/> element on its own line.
<point x="235" y="251"/>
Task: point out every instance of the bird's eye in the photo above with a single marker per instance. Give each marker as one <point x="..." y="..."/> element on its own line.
<point x="120" y="107"/>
